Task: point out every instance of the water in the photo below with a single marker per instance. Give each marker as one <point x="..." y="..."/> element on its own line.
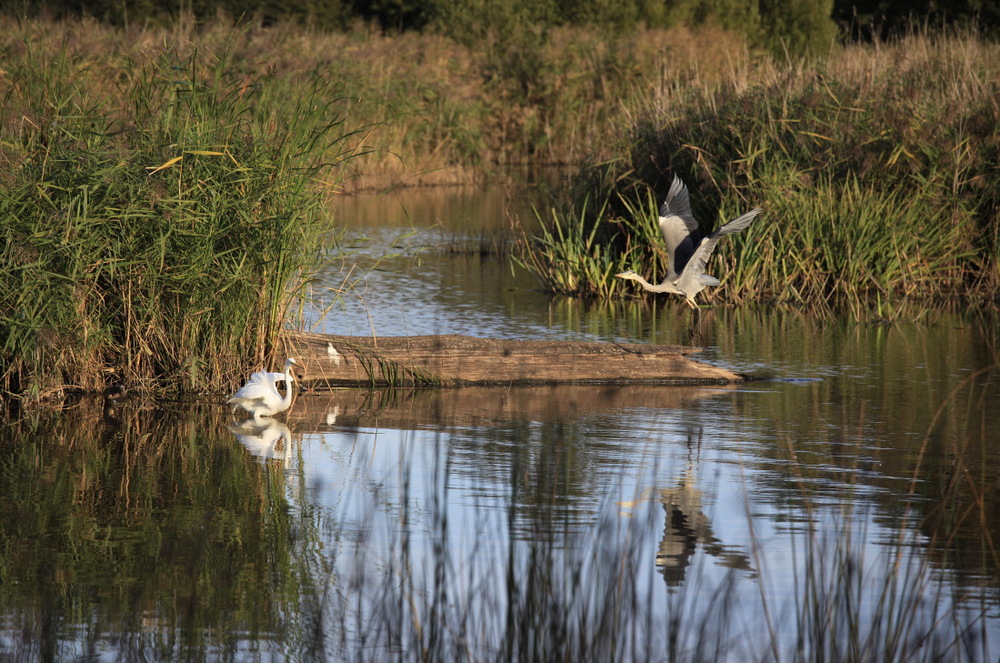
<point x="844" y="507"/>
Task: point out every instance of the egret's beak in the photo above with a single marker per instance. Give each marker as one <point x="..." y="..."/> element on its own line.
<point x="300" y="375"/>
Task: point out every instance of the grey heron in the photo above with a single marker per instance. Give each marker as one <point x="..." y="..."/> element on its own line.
<point x="688" y="250"/>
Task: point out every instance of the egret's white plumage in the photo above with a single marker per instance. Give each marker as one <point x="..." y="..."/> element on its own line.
<point x="260" y="396"/>
<point x="688" y="250"/>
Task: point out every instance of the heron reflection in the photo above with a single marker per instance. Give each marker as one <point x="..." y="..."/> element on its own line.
<point x="687" y="526"/>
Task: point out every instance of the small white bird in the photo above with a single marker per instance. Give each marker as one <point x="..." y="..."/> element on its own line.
<point x="688" y="250"/>
<point x="260" y="396"/>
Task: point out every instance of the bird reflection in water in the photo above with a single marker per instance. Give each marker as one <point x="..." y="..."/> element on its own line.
<point x="113" y="396"/>
<point x="687" y="526"/>
<point x="265" y="438"/>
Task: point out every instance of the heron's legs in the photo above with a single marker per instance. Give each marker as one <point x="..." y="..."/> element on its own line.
<point x="695" y="329"/>
<point x="694" y="307"/>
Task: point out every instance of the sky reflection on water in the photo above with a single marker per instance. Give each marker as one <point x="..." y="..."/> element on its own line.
<point x="826" y="465"/>
<point x="711" y="507"/>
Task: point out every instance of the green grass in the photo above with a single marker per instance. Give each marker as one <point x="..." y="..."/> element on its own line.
<point x="157" y="221"/>
<point x="580" y="248"/>
<point x="439" y="110"/>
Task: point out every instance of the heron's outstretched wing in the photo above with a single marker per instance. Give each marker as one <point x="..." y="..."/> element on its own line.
<point x="679" y="228"/>
<point x="737" y="224"/>
<point x="695" y="268"/>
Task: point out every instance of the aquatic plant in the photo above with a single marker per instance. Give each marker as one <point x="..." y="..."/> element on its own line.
<point x="570" y="254"/>
<point x="157" y="225"/>
<point x="439" y="111"/>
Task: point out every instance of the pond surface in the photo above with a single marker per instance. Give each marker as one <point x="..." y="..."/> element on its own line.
<point x="845" y="508"/>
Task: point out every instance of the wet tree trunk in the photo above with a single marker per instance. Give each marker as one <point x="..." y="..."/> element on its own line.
<point x="453" y="360"/>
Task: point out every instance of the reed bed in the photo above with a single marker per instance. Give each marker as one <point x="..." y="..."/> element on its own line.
<point x="437" y="110"/>
<point x="159" y="216"/>
<point x="875" y="168"/>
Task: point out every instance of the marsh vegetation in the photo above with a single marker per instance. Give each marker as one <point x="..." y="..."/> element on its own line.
<point x="165" y="199"/>
<point x="165" y="189"/>
<point x="160" y="211"/>
<point x="874" y="166"/>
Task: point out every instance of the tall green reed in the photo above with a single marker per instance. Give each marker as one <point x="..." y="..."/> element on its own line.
<point x="157" y="219"/>
<point x="571" y="255"/>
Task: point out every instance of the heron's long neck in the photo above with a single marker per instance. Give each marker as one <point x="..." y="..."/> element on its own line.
<point x="646" y="285"/>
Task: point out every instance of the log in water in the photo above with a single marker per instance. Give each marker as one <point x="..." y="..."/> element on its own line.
<point x="454" y="361"/>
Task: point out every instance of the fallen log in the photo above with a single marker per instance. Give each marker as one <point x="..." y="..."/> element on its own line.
<point x="454" y="361"/>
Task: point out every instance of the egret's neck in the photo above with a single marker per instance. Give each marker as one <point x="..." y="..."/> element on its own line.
<point x="666" y="286"/>
<point x="289" y="384"/>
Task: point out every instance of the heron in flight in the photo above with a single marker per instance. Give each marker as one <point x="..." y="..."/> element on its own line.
<point x="260" y="396"/>
<point x="688" y="250"/>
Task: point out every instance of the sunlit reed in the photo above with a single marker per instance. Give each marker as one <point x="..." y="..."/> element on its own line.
<point x="158" y="221"/>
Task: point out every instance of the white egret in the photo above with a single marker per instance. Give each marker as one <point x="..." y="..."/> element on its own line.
<point x="260" y="396"/>
<point x="688" y="250"/>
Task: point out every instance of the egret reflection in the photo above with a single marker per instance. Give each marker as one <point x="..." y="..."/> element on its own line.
<point x="265" y="438"/>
